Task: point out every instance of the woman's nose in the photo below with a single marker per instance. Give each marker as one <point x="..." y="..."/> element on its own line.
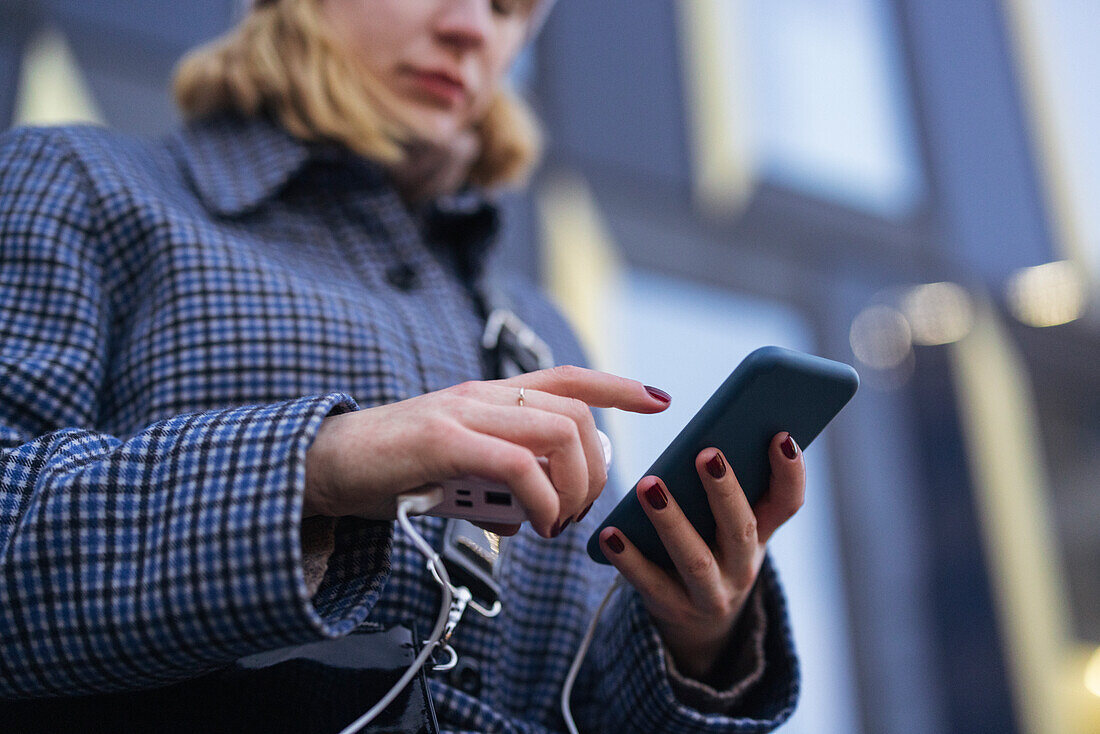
<point x="464" y="23"/>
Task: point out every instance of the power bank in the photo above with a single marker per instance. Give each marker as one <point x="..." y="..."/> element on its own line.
<point x="482" y="500"/>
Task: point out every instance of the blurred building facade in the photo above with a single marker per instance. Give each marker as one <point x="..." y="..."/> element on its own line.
<point x="904" y="185"/>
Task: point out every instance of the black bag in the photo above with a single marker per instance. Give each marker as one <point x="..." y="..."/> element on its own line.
<point x="317" y="688"/>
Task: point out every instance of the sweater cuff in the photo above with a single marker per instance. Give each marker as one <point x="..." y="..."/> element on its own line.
<point x="635" y="688"/>
<point x="318" y="536"/>
<point x="353" y="569"/>
<point x="743" y="665"/>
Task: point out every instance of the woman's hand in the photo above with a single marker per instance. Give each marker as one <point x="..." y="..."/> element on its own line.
<point x="360" y="462"/>
<point x="695" y="607"/>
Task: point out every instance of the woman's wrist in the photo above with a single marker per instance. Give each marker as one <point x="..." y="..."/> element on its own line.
<point x="696" y="656"/>
<point x="318" y="465"/>
<point x="722" y="660"/>
<point x="740" y="666"/>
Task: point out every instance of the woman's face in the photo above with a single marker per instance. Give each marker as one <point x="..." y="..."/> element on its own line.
<point x="441" y="61"/>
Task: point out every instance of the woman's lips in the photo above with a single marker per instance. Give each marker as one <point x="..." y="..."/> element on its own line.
<point x="438" y="86"/>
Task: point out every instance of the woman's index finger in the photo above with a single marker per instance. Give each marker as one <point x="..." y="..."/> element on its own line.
<point x="598" y="389"/>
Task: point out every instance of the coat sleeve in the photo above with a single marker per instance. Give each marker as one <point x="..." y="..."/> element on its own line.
<point x="132" y="561"/>
<point x="626" y="685"/>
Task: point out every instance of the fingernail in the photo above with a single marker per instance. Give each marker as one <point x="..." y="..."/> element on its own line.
<point x="716" y="467"/>
<point x="564" y="525"/>
<point x="584" y="512"/>
<point x="656" y="497"/>
<point x="661" y="395"/>
<point x="615" y="543"/>
<point x="790" y="448"/>
<point x="556" y="530"/>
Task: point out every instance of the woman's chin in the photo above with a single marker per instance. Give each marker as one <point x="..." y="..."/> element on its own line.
<point x="432" y="140"/>
<point x="433" y="130"/>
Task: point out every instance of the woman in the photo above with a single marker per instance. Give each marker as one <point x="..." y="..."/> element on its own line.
<point x="226" y="355"/>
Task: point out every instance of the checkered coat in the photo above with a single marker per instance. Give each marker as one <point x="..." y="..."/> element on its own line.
<point x="176" y="319"/>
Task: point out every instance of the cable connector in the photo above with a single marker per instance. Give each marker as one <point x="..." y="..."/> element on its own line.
<point x="420" y="502"/>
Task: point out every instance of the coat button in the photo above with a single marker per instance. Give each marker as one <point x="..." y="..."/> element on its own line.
<point x="402" y="276"/>
<point x="466" y="677"/>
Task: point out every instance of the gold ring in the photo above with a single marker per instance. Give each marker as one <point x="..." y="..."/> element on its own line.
<point x="521" y="390"/>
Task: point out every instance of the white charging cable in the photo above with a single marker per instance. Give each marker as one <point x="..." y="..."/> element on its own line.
<point x="571" y="678"/>
<point x="416" y="504"/>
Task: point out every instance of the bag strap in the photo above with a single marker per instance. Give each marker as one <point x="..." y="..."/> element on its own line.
<point x="474" y="557"/>
<point x="512" y="346"/>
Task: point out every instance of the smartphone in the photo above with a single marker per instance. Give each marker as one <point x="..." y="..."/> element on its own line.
<point x="772" y="390"/>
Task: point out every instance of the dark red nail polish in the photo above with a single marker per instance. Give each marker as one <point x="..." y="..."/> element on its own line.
<point x="564" y="525"/>
<point x="556" y="530"/>
<point x="661" y="395"/>
<point x="584" y="512"/>
<point x="615" y="543"/>
<point x="656" y="497"/>
<point x="790" y="448"/>
<point x="716" y="466"/>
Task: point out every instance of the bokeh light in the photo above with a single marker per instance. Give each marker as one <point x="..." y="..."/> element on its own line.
<point x="1092" y="674"/>
<point x="1047" y="295"/>
<point x="881" y="337"/>
<point x="938" y="313"/>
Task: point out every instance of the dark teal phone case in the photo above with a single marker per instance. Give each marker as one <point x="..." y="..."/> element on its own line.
<point x="772" y="390"/>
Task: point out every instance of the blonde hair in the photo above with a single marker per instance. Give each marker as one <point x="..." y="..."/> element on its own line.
<point x="280" y="61"/>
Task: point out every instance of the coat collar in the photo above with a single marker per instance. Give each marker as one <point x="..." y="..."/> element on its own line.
<point x="236" y="163"/>
<point x="467" y="223"/>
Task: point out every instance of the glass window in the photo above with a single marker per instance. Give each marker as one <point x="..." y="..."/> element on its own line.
<point x="1071" y="442"/>
<point x="1059" y="56"/>
<point x="52" y="89"/>
<point x="817" y="90"/>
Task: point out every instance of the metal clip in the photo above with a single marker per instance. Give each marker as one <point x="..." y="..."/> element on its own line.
<point x="502" y="319"/>
<point x="461" y="598"/>
<point x="458" y="607"/>
<point x="459" y="602"/>
<point x="449" y="663"/>
<point x="462" y="592"/>
<point x="490" y="612"/>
